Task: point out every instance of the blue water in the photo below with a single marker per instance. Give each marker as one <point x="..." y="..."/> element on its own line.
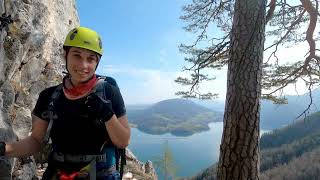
<point x="191" y="154"/>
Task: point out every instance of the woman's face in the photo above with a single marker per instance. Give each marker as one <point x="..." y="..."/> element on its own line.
<point x="81" y="64"/>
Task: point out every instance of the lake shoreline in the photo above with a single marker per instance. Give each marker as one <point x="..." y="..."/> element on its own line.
<point x="200" y="149"/>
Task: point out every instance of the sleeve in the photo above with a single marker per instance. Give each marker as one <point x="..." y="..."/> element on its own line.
<point x="117" y="102"/>
<point x="41" y="108"/>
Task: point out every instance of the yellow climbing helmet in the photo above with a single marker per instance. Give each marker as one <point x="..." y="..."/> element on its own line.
<point x="85" y="38"/>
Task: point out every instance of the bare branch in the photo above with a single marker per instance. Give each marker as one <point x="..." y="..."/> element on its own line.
<point x="288" y="31"/>
<point x="296" y="73"/>
<point x="312" y="25"/>
<point x="286" y="18"/>
<point x="305" y="112"/>
<point x="204" y="30"/>
<point x="272" y="6"/>
<point x="197" y="10"/>
<point x="274" y="54"/>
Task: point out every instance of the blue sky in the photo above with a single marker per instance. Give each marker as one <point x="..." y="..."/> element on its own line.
<point x="140" y="40"/>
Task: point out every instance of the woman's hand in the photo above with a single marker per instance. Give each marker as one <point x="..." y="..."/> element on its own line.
<point x="99" y="108"/>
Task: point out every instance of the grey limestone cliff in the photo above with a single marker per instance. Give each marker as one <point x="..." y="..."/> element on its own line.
<point x="31" y="59"/>
<point x="31" y="36"/>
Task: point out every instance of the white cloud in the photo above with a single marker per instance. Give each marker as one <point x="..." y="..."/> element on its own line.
<point x="145" y="86"/>
<point x="289" y="54"/>
<point x="142" y="85"/>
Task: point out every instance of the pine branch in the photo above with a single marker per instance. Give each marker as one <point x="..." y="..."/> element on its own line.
<point x="288" y="31"/>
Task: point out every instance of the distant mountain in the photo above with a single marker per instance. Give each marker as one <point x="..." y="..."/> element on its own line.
<point x="292" y="151"/>
<point x="177" y="116"/>
<point x="273" y="115"/>
<point x="137" y="106"/>
<point x="214" y="104"/>
<point x="276" y="116"/>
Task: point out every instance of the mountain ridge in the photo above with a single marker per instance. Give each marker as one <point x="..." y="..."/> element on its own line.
<point x="179" y="117"/>
<point x="274" y="116"/>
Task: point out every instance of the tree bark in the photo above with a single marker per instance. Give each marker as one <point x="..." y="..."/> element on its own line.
<point x="239" y="150"/>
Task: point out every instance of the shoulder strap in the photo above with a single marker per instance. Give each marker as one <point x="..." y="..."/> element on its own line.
<point x="100" y="91"/>
<point x="103" y="82"/>
<point x="55" y="95"/>
<point x="123" y="161"/>
<point x="109" y="79"/>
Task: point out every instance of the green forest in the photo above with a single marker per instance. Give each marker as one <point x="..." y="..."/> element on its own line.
<point x="291" y="152"/>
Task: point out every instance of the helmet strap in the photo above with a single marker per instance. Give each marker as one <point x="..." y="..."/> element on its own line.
<point x="66" y="49"/>
<point x="98" y="59"/>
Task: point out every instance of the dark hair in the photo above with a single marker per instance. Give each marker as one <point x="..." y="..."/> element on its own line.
<point x="66" y="49"/>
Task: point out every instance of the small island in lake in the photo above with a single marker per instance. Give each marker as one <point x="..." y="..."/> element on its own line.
<point x="176" y="116"/>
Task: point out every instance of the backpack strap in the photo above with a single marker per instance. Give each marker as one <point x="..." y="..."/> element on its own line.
<point x="93" y="170"/>
<point x="109" y="79"/>
<point x="103" y="82"/>
<point x="123" y="161"/>
<point x="54" y="97"/>
<point x="100" y="90"/>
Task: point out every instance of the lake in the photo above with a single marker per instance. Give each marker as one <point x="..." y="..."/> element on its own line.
<point x="191" y="154"/>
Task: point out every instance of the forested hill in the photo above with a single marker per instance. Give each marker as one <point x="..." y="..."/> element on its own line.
<point x="276" y="116"/>
<point x="300" y="129"/>
<point x="177" y="116"/>
<point x="289" y="153"/>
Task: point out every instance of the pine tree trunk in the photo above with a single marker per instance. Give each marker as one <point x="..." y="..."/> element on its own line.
<point x="239" y="150"/>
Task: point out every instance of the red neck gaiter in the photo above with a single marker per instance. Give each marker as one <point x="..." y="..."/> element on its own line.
<point x="75" y="92"/>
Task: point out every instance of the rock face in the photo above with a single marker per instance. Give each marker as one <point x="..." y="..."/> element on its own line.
<point x="31" y="37"/>
<point x="31" y="58"/>
<point x="138" y="170"/>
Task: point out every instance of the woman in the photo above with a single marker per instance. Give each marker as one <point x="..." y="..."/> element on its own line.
<point x="86" y="129"/>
